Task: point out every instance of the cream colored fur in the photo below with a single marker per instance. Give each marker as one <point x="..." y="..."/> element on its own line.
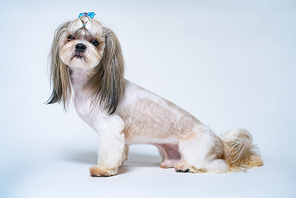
<point x="142" y="117"/>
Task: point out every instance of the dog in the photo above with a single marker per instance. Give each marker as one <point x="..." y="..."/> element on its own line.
<point x="86" y="61"/>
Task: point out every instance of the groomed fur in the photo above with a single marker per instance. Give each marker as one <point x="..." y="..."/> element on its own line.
<point x="86" y="60"/>
<point x="59" y="71"/>
<point x="241" y="153"/>
<point x="106" y="86"/>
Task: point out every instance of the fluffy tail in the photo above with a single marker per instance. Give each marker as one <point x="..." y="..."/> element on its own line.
<point x="239" y="151"/>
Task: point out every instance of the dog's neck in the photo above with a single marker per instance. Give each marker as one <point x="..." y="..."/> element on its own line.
<point x="79" y="77"/>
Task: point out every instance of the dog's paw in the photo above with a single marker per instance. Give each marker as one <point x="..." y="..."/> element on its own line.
<point x="185" y="168"/>
<point x="183" y="171"/>
<point x="182" y="167"/>
<point x="96" y="171"/>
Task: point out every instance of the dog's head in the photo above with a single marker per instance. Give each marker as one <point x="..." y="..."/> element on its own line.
<point x="84" y="43"/>
<point x="81" y="43"/>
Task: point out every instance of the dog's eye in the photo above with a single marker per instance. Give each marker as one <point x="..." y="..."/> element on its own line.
<point x="95" y="42"/>
<point x="70" y="37"/>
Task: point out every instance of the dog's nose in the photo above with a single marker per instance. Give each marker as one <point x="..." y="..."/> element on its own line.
<point x="80" y="47"/>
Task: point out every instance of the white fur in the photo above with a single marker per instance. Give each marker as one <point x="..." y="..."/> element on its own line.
<point x="111" y="141"/>
<point x="143" y="117"/>
<point x="196" y="152"/>
<point x="109" y="128"/>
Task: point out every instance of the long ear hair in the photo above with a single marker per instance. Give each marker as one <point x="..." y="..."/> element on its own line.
<point x="106" y="86"/>
<point x="59" y="74"/>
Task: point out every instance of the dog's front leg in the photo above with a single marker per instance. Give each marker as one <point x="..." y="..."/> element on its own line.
<point x="110" y="146"/>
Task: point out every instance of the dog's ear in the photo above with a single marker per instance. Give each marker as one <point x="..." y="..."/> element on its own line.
<point x="107" y="84"/>
<point x="59" y="74"/>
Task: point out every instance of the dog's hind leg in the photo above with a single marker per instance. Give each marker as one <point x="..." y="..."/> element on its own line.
<point x="202" y="152"/>
<point x="171" y="154"/>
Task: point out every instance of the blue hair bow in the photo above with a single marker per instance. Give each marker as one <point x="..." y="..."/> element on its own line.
<point x="87" y="14"/>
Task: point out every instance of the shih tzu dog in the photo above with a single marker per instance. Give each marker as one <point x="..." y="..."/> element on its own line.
<point x="87" y="63"/>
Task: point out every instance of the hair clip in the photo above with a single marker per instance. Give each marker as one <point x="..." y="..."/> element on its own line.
<point x="87" y="14"/>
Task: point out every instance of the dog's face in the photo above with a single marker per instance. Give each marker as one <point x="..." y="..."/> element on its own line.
<point x="82" y="44"/>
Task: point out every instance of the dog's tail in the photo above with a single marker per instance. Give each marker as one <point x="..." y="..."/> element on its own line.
<point x="239" y="151"/>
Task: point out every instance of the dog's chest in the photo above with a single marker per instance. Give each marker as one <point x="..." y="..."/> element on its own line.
<point x="82" y="105"/>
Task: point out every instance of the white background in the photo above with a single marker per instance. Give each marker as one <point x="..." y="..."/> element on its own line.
<point x="231" y="63"/>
